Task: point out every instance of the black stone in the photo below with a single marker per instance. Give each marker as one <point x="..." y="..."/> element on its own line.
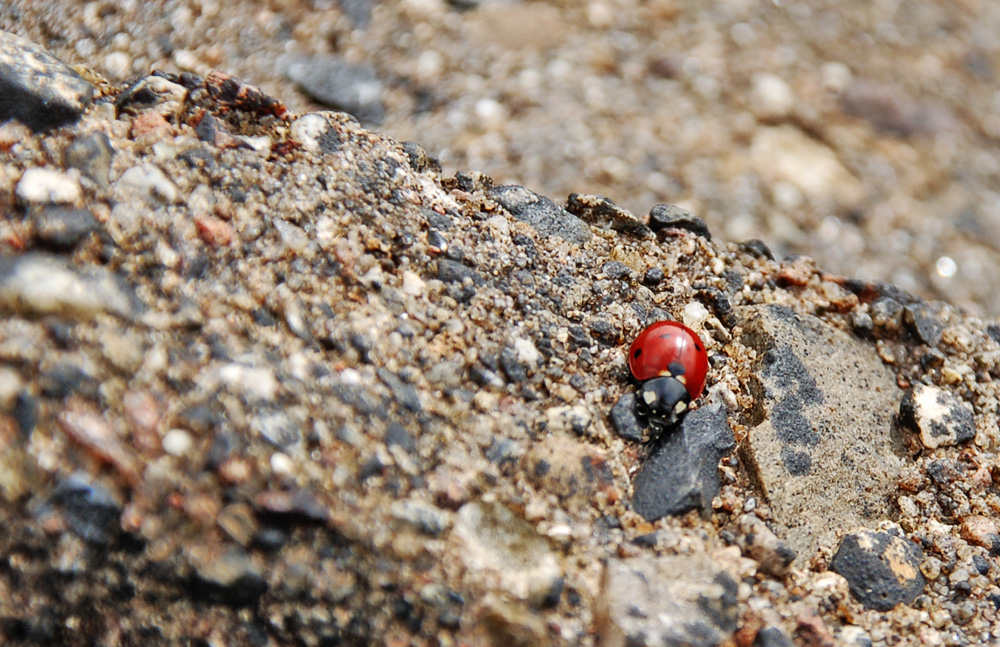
<point x="541" y="213"/>
<point x="62" y="228"/>
<point x="600" y="211"/>
<point x="624" y="420"/>
<point x="397" y="435"/>
<point x="604" y="331"/>
<point x="25" y="413"/>
<point x="455" y="272"/>
<point x="653" y="277"/>
<point x="717" y="300"/>
<point x="36" y="88"/>
<point x="681" y="471"/>
<point x="512" y="368"/>
<point x="882" y="569"/>
<point x="335" y="83"/>
<point x="758" y="248"/>
<point x="668" y="216"/>
<point x="924" y="324"/>
<point x="87" y="508"/>
<point x="615" y="270"/>
<point x="981" y="564"/>
<point x="405" y="394"/>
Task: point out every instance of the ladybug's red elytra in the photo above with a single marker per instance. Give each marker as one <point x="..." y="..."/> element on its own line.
<point x="671" y="362"/>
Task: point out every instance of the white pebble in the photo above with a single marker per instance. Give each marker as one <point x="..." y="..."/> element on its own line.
<point x="413" y="284"/>
<point x="281" y="464"/>
<point x="118" y="65"/>
<point x="526" y="351"/>
<point x="772" y="98"/>
<point x="177" y="442"/>
<point x="151" y="181"/>
<point x="45" y="186"/>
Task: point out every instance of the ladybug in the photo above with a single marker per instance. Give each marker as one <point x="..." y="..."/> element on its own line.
<point x="670" y="361"/>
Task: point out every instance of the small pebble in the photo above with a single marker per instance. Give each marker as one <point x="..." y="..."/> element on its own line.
<point x="45" y="186"/>
<point x="177" y="442"/>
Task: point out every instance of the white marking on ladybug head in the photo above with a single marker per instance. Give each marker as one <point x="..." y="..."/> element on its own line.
<point x="681" y="407"/>
<point x="682" y="379"/>
<point x="649" y="396"/>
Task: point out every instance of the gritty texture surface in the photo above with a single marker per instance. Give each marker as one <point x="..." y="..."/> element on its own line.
<point x="297" y="370"/>
<point x="863" y="136"/>
<point x="822" y="445"/>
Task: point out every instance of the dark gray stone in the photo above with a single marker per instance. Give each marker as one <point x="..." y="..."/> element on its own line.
<point x="882" y="569"/>
<point x="335" y="83"/>
<point x="822" y="446"/>
<point x="667" y="216"/>
<point x="541" y="213"/>
<point x="600" y="211"/>
<point x="941" y="419"/>
<point x="923" y="322"/>
<point x="681" y="472"/>
<point x="455" y="272"/>
<point x="38" y="89"/>
<point x="87" y="508"/>
<point x="624" y="419"/>
<point x="62" y="228"/>
<point x="404" y="394"/>
<point x="91" y="154"/>
<point x="666" y="601"/>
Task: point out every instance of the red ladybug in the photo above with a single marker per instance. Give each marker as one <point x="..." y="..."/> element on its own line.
<point x="670" y="361"/>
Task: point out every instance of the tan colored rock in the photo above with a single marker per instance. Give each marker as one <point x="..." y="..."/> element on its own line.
<point x="821" y="446"/>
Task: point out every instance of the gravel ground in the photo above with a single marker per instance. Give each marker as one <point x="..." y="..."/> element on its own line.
<point x="270" y="377"/>
<point x="862" y="135"/>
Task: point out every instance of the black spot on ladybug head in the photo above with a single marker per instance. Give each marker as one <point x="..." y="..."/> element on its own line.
<point x="676" y="368"/>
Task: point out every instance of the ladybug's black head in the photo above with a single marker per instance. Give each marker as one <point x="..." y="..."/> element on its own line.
<point x="663" y="400"/>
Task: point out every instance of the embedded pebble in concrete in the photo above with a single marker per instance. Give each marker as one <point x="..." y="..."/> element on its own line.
<point x="149" y="181"/>
<point x="498" y="549"/>
<point x="681" y="472"/>
<point x="941" y="419"/>
<point x="39" y="284"/>
<point x="45" y="186"/>
<point x="668" y="601"/>
<point x="338" y="84"/>
<point x="821" y="445"/>
<point x="62" y="228"/>
<point x="36" y="88"/>
<point x="541" y="213"/>
<point x="882" y="569"/>
<point x="91" y="154"/>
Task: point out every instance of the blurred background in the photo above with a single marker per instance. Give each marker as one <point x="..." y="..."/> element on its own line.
<point x="863" y="134"/>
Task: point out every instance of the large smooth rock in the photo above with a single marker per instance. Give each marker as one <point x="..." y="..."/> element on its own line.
<point x="822" y="447"/>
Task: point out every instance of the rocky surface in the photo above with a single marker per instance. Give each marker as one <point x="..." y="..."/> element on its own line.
<point x="295" y="385"/>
